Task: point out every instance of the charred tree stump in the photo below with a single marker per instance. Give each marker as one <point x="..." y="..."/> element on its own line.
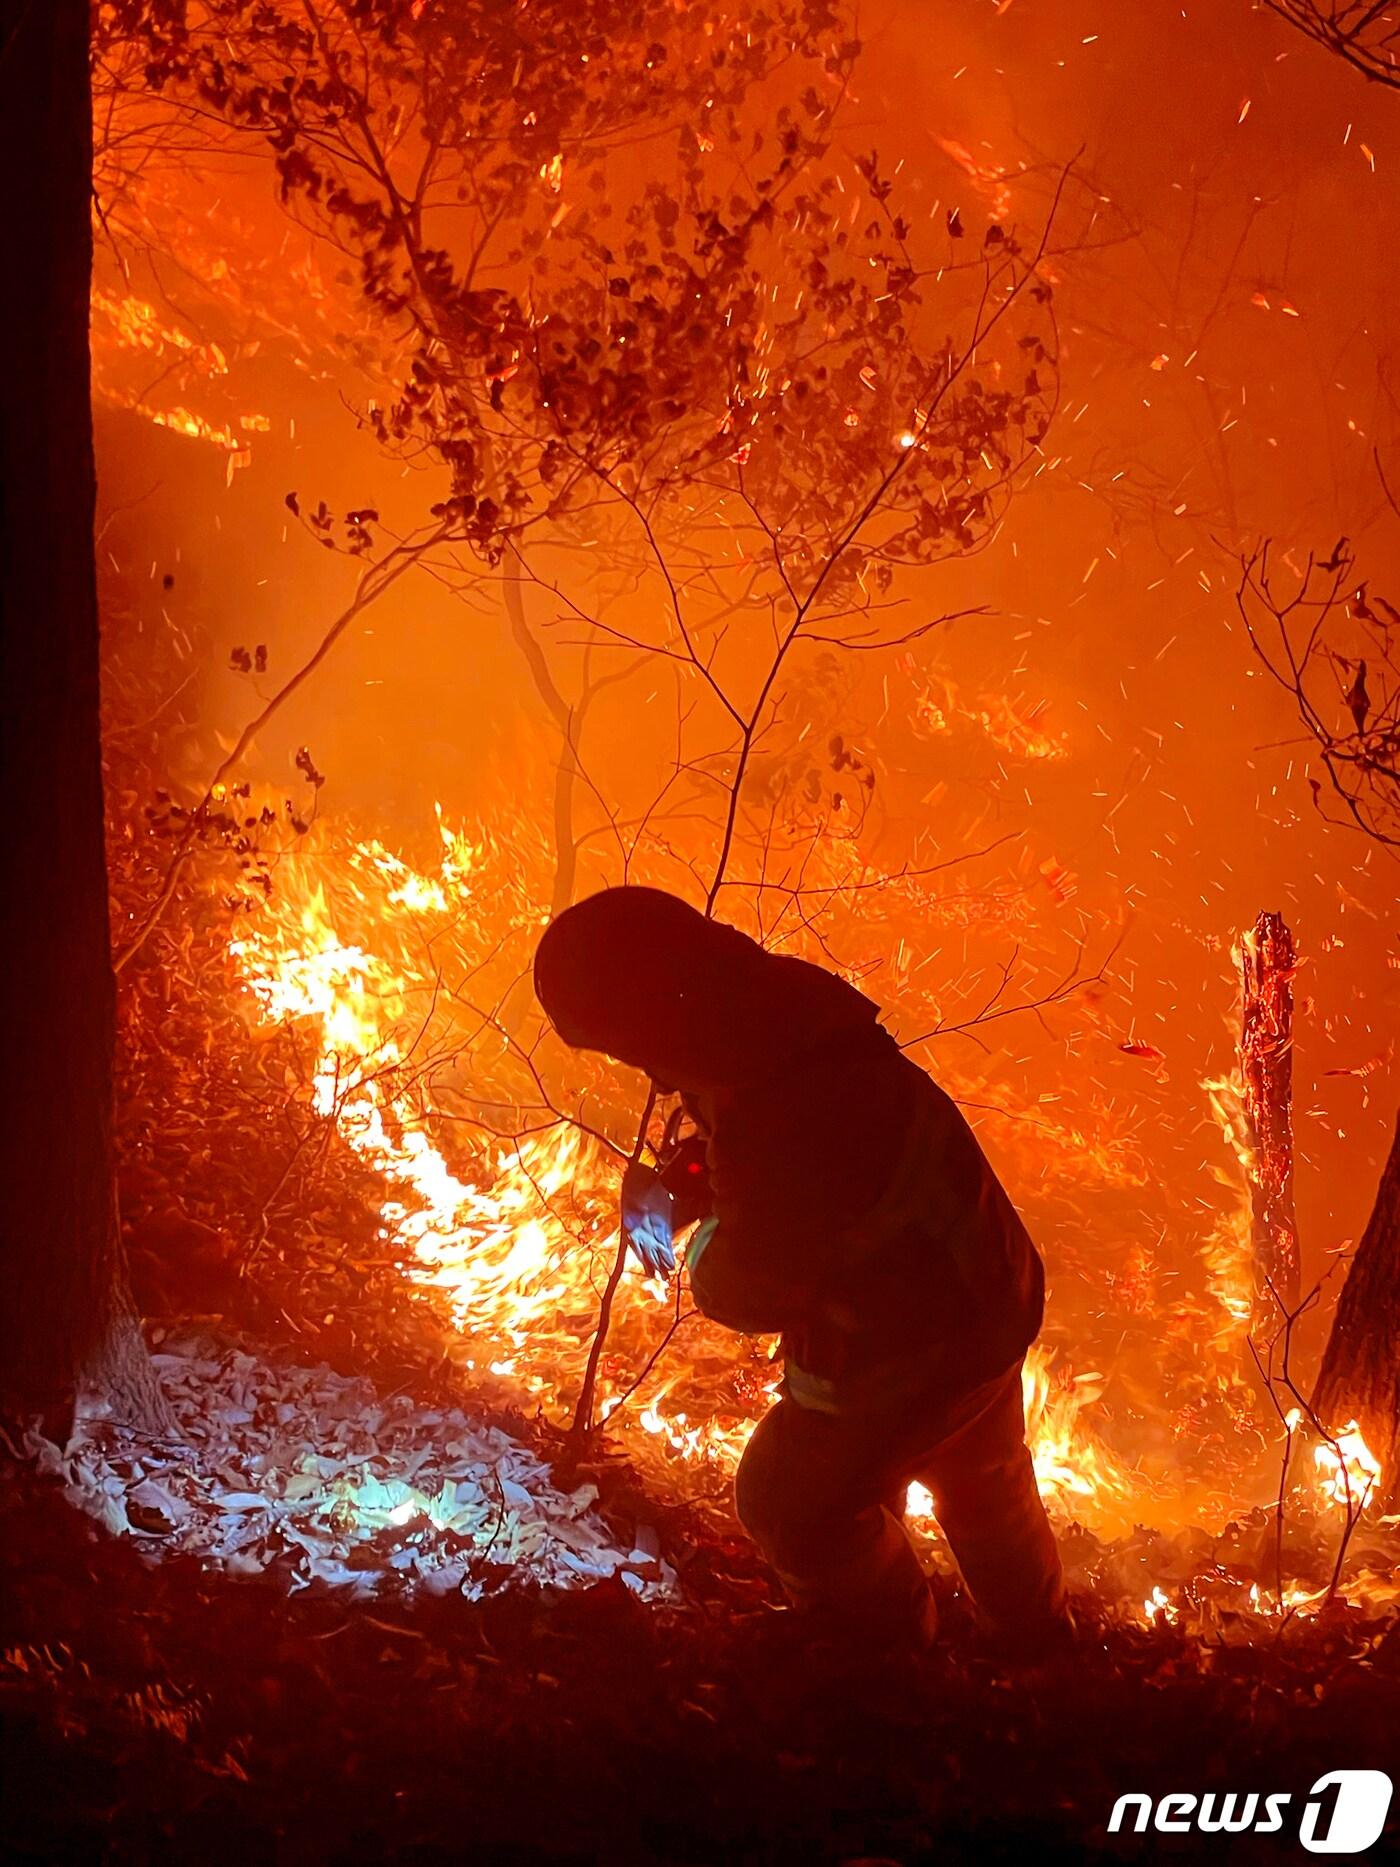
<point x="67" y="1323"/>
<point x="1360" y="1374"/>
<point x="1267" y="965"/>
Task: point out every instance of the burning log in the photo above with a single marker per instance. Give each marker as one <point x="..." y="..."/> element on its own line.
<point x="1267" y="964"/>
<point x="1360" y="1375"/>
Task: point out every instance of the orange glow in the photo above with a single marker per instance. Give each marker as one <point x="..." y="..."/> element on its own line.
<point x="1079" y="749"/>
<point x="339" y="955"/>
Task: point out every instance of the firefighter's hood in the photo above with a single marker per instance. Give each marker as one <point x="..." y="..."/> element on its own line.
<point x="644" y="977"/>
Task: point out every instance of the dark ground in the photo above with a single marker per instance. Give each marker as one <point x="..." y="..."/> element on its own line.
<point x="158" y="1712"/>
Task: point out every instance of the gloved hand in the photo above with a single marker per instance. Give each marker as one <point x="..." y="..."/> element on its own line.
<point x="647" y="1219"/>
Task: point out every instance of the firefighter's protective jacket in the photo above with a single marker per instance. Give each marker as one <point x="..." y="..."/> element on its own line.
<point x="855" y="1213"/>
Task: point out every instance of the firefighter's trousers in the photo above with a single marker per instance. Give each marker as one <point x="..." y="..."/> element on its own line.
<point x="822" y="1494"/>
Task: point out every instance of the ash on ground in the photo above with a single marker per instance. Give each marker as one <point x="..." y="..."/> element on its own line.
<point x="319" y="1477"/>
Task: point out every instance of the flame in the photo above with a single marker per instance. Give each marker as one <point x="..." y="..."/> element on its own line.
<point x="919" y="1506"/>
<point x="1229" y="1251"/>
<point x="511" y="1233"/>
<point x="1227" y="1104"/>
<point x="1070" y="1462"/>
<point x="991" y="182"/>
<point x="135" y="324"/>
<point x="1072" y="1465"/>
<point x="352" y="953"/>
<point x="125" y="324"/>
<point x="1349" y="1470"/>
<point x="490" y="1248"/>
<point x="1017" y="727"/>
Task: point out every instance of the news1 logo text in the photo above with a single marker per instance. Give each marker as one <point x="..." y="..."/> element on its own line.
<point x="1344" y="1812"/>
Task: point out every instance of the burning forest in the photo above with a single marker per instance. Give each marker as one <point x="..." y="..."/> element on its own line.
<point x="704" y="713"/>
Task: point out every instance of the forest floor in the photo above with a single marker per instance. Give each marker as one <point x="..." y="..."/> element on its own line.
<point x="171" y="1711"/>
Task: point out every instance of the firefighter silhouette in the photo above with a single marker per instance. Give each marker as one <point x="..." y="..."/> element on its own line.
<point x="843" y="1202"/>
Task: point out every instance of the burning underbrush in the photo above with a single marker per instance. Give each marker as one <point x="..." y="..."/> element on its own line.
<point x="346" y="1135"/>
<point x="374" y="1600"/>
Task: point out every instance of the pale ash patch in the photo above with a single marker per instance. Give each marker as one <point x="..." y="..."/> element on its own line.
<point x="319" y="1477"/>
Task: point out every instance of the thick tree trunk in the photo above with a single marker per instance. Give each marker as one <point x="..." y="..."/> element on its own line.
<point x="67" y="1324"/>
<point x="1360" y="1374"/>
<point x="1267" y="964"/>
